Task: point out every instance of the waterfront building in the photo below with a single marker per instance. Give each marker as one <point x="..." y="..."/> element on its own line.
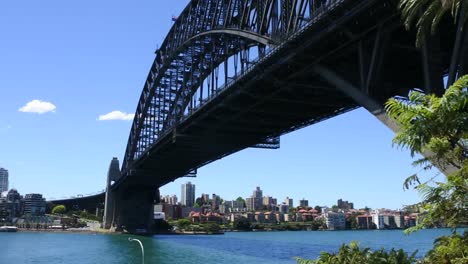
<point x="34" y="204"/>
<point x="345" y="205"/>
<point x="259" y="217"/>
<point x="411" y="220"/>
<point x="11" y="204"/>
<point x="270" y="217"/>
<point x="3" y="180"/>
<point x="389" y="221"/>
<point x="364" y="222"/>
<point x="188" y="194"/>
<point x="378" y="219"/>
<point x="289" y="201"/>
<point x="335" y="221"/>
<point x="400" y="220"/>
<point x="304" y="203"/>
<point x="280" y="217"/>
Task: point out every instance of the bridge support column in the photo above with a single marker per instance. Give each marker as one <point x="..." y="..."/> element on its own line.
<point x="135" y="208"/>
<point x="109" y="203"/>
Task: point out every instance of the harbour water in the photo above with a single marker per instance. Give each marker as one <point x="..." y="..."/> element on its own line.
<point x="232" y="247"/>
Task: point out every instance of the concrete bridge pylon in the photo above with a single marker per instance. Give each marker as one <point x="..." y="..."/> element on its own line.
<point x="109" y="205"/>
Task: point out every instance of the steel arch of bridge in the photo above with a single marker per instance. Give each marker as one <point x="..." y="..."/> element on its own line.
<point x="209" y="36"/>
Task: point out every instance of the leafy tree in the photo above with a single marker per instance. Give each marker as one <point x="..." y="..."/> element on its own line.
<point x="449" y="249"/>
<point x="427" y="14"/>
<point x="199" y="202"/>
<point x="241" y="200"/>
<point x="437" y="127"/>
<point x="183" y="223"/>
<point x="318" y="208"/>
<point x="352" y="254"/>
<point x="242" y="224"/>
<point x="59" y="209"/>
<point x="211" y="227"/>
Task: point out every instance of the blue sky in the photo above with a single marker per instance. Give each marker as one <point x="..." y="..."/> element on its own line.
<point x="65" y="65"/>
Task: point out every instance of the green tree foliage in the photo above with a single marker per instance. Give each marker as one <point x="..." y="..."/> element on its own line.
<point x="211" y="228"/>
<point x="59" y="209"/>
<point x="427" y="14"/>
<point x="437" y="127"/>
<point x="318" y="208"/>
<point x="198" y="202"/>
<point x="352" y="254"/>
<point x="183" y="223"/>
<point x="241" y="200"/>
<point x="242" y="224"/>
<point x="449" y="249"/>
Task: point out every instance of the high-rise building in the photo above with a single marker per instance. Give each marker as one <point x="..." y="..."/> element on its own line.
<point x="257" y="199"/>
<point x="289" y="201"/>
<point x="188" y="194"/>
<point x="304" y="203"/>
<point x="267" y="202"/>
<point x="215" y="201"/>
<point x="3" y="180"/>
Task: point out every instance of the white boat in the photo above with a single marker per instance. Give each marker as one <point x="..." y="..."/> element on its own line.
<point x="8" y="229"/>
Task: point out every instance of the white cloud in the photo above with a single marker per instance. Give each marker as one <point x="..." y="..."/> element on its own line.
<point x="116" y="115"/>
<point x="38" y="106"/>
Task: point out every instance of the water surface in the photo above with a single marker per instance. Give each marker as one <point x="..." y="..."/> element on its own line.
<point x="233" y="247"/>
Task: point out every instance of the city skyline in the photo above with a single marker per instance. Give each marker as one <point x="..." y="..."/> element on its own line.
<point x="65" y="120"/>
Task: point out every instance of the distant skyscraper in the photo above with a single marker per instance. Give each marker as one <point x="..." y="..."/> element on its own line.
<point x="188" y="194"/>
<point x="257" y="197"/>
<point x="303" y="203"/>
<point x="289" y="201"/>
<point x="3" y="180"/>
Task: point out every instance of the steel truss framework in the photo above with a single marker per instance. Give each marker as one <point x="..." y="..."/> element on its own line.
<point x="266" y="49"/>
<point x="210" y="44"/>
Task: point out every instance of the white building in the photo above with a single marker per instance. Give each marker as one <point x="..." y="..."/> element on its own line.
<point x="335" y="221"/>
<point x="378" y="219"/>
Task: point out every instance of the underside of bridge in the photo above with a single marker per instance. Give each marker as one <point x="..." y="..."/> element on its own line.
<point x="353" y="54"/>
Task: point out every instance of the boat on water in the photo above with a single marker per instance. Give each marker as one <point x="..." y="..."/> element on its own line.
<point x="8" y="229"/>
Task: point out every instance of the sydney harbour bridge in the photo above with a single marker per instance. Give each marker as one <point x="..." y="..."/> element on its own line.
<point x="233" y="74"/>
